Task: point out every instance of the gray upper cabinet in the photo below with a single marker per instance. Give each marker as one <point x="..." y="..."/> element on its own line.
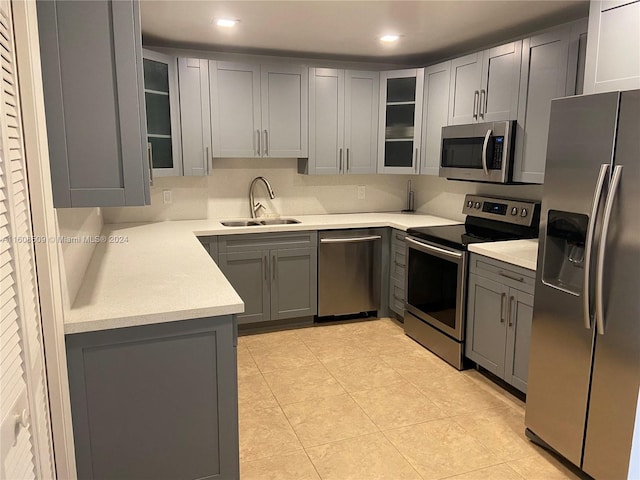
<point x="435" y="115"/>
<point x="484" y="85"/>
<point x="549" y="66"/>
<point x="258" y="110"/>
<point x="285" y="114"/>
<point x="163" y="113"/>
<point x="326" y="122"/>
<point x="343" y="122"/>
<point x="500" y="82"/>
<point x="195" y="117"/>
<point x="499" y="315"/>
<point x="400" y="123"/>
<point x="362" y="90"/>
<point x="236" y="126"/>
<point x="613" y="50"/>
<point x="464" y="90"/>
<point x="91" y="54"/>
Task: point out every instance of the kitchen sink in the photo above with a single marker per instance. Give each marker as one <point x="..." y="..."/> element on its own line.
<point x="279" y="221"/>
<point x="257" y="223"/>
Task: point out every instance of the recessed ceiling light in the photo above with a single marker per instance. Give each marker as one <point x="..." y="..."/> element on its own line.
<point x="226" y="22"/>
<point x="389" y="38"/>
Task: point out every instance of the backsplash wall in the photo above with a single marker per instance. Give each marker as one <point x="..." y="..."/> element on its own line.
<point x="76" y="223"/>
<point x="225" y="193"/>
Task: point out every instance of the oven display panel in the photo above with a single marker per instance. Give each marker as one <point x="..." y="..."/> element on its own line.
<point x="495" y="208"/>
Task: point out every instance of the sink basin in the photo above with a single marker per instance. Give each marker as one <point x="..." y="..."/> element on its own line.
<point x="241" y="223"/>
<point x="279" y="221"/>
<point x="256" y="222"/>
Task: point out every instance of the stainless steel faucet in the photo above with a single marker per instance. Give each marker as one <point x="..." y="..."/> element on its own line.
<point x="252" y="204"/>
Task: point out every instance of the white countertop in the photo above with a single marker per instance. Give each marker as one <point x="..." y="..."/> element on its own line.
<point x="523" y="253"/>
<point x="161" y="273"/>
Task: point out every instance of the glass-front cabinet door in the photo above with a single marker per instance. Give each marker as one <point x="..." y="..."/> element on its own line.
<point x="163" y="113"/>
<point x="399" y="136"/>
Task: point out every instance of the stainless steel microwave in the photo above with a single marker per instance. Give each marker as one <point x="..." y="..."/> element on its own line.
<point x="478" y="152"/>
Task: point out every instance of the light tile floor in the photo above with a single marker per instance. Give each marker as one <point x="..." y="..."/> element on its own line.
<point x="362" y="401"/>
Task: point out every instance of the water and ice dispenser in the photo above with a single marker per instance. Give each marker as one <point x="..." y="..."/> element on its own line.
<point x="564" y="252"/>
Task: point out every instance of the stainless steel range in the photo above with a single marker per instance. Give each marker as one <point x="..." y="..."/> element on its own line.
<point x="437" y="269"/>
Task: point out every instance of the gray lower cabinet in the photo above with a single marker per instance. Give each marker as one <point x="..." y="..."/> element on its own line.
<point x="156" y="401"/>
<point x="275" y="274"/>
<point x="397" y="271"/>
<point x="499" y="315"/>
<point x="91" y="55"/>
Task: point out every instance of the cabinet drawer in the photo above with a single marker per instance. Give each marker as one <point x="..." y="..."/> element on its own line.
<point x="505" y="273"/>
<point x="397" y="237"/>
<point x="397" y="295"/>
<point x="259" y="241"/>
<point x="398" y="262"/>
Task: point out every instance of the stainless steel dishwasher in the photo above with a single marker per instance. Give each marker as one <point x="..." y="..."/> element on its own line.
<point x="349" y="272"/>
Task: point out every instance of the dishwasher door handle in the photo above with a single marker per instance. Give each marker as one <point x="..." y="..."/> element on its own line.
<point x="368" y="238"/>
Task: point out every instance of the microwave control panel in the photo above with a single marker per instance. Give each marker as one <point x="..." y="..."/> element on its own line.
<point x="498" y="150"/>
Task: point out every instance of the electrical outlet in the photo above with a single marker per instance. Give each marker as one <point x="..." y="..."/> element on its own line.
<point x="166" y="196"/>
<point x="362" y="192"/>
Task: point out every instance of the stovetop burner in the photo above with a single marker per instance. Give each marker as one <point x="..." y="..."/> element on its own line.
<point x="489" y="219"/>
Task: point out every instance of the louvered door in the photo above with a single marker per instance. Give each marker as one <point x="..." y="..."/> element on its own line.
<point x="25" y="442"/>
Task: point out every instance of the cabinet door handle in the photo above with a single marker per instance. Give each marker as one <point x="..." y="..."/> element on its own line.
<point x="258" y="134"/>
<point x="208" y="161"/>
<point x="265" y="268"/>
<point x="274" y="265"/>
<point x="266" y="143"/>
<point x="483" y="105"/>
<point x="399" y="237"/>
<point x="511" y="299"/>
<point x="401" y="265"/>
<point x="512" y="277"/>
<point x="502" y="297"/>
<point x="415" y="166"/>
<point x="398" y="298"/>
<point x="150" y="158"/>
<point x="348" y="163"/>
<point x="340" y="166"/>
<point x="476" y="96"/>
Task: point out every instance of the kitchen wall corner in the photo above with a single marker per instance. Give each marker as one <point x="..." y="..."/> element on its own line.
<point x="75" y="226"/>
<point x="444" y="198"/>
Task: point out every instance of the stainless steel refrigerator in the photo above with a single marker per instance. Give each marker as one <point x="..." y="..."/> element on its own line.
<point x="584" y="371"/>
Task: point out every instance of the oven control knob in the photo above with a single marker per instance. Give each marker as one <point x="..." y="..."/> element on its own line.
<point x="524" y="212"/>
<point x="514" y="211"/>
<point x="477" y="205"/>
<point x="469" y="204"/>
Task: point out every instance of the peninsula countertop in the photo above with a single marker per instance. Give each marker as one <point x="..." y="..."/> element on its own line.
<point x="145" y="273"/>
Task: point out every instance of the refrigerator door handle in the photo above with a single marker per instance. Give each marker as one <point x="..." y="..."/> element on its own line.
<point x="615" y="182"/>
<point x="597" y="196"/>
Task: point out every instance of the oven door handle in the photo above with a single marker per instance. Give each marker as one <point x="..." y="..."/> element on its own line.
<point x="433" y="249"/>
<point x="484" y="152"/>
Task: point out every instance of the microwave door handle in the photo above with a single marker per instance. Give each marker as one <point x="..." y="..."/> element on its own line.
<point x="588" y="247"/>
<point x="606" y="221"/>
<point x="484" y="152"/>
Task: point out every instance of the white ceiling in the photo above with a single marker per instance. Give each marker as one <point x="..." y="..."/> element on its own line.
<point x="349" y="29"/>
